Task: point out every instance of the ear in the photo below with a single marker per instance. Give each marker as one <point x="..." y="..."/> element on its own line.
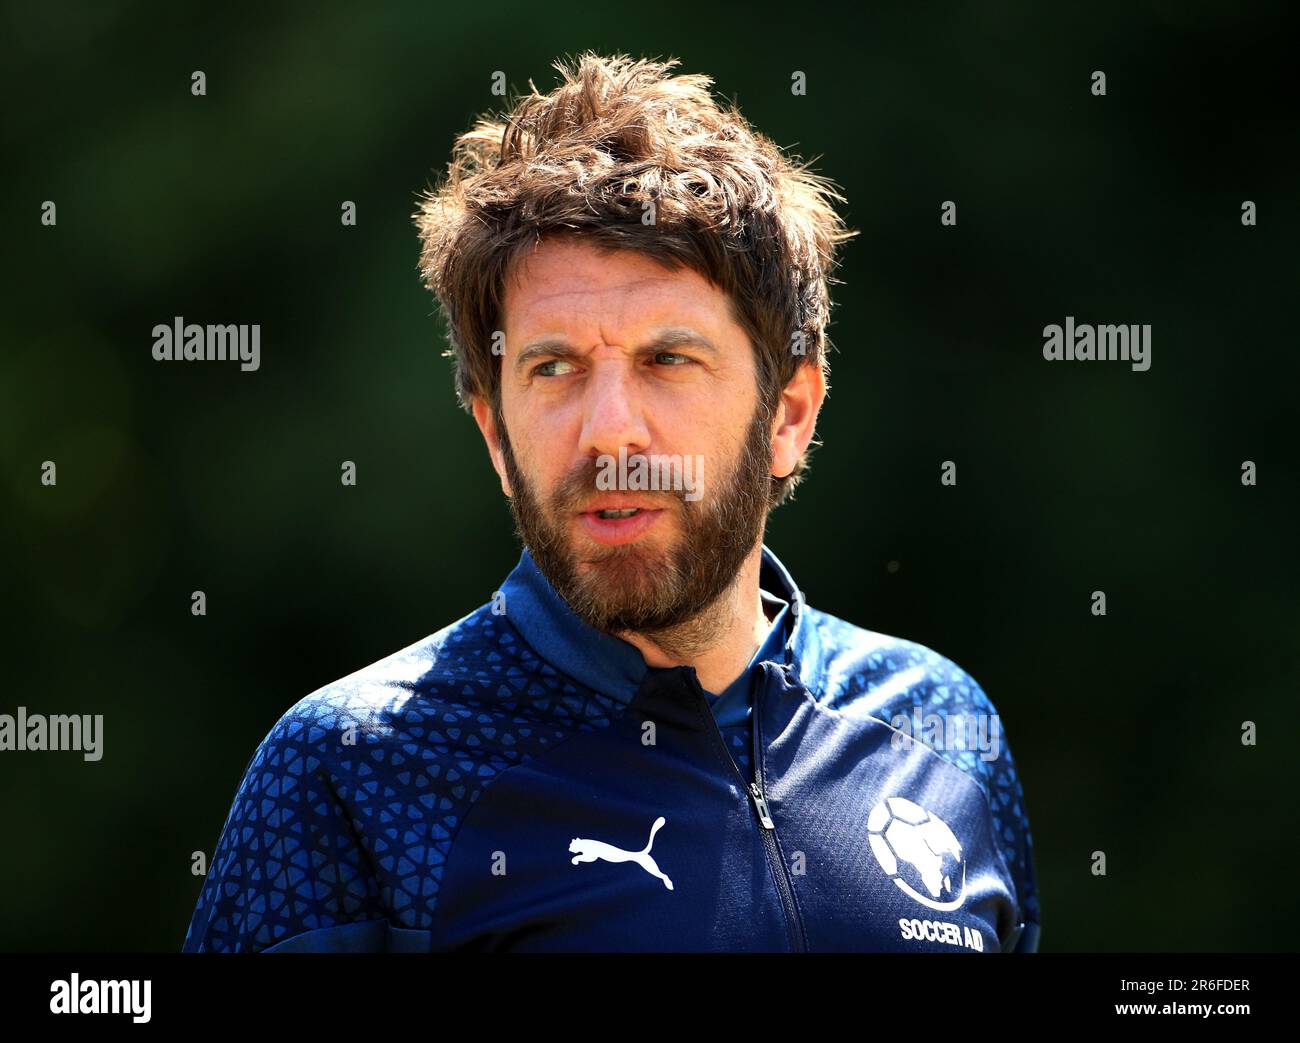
<point x="482" y="410"/>
<point x="796" y="417"/>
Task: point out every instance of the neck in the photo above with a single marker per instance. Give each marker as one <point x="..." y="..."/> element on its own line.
<point x="720" y="641"/>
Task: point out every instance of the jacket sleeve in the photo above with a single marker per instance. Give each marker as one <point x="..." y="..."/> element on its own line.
<point x="288" y="864"/>
<point x="1011" y="818"/>
<point x="1000" y="780"/>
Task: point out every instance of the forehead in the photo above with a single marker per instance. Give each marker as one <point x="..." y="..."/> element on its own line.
<point x="565" y="282"/>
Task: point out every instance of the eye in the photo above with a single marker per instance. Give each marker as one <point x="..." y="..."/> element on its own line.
<point x="682" y="359"/>
<point x="544" y="368"/>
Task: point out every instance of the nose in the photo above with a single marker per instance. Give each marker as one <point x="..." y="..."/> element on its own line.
<point x="613" y="413"/>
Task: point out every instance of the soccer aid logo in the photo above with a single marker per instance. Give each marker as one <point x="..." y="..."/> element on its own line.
<point x="914" y="847"/>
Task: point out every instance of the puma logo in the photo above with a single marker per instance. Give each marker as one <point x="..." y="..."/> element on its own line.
<point x="589" y="850"/>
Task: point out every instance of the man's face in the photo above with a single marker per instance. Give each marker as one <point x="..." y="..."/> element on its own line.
<point x="610" y="352"/>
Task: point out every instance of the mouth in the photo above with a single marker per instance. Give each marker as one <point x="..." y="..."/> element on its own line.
<point x="613" y="525"/>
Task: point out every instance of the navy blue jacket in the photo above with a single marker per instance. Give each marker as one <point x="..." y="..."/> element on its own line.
<point x="521" y="781"/>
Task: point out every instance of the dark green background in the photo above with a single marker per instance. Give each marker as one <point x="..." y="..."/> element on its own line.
<point x="1072" y="476"/>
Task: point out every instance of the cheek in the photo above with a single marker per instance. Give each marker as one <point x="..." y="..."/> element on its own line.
<point x="713" y="427"/>
<point x="545" y="443"/>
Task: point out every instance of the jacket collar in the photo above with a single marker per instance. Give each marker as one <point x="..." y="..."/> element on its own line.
<point x="609" y="664"/>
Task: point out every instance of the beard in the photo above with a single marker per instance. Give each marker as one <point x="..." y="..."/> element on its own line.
<point x="668" y="593"/>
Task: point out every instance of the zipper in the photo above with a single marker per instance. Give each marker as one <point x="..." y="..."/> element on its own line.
<point x="783" y="882"/>
<point x="767" y="828"/>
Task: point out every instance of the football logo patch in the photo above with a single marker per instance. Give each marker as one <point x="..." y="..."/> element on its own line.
<point x="919" y="852"/>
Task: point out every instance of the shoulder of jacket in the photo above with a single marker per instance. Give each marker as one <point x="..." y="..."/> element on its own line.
<point x="909" y="686"/>
<point x="915" y="690"/>
<point x="863" y="670"/>
<point x="466" y="687"/>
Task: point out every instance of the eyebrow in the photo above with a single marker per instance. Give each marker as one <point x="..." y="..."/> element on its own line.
<point x="670" y="337"/>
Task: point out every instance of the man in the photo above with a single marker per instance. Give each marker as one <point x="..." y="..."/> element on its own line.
<point x="646" y="740"/>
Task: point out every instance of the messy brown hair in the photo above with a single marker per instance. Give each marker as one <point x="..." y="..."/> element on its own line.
<point x="586" y="159"/>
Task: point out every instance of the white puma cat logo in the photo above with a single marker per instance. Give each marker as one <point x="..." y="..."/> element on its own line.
<point x="590" y="850"/>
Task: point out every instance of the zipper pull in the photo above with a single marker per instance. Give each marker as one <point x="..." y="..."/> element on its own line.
<point x="760" y="802"/>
